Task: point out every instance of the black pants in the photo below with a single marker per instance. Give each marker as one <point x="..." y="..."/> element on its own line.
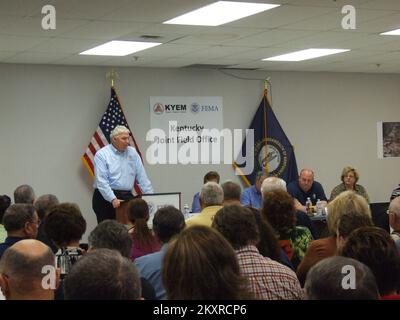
<point x="101" y="207"/>
<point x="104" y="209"/>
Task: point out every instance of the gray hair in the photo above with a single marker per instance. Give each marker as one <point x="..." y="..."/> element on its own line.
<point x="211" y="194"/>
<point x="272" y="184"/>
<point x="103" y="274"/>
<point x="111" y="234"/>
<point x="24" y="194"/>
<point x="17" y="215"/>
<point x="44" y="203"/>
<point x="394" y="207"/>
<point x="325" y="281"/>
<point x="118" y="130"/>
<point x="25" y="269"/>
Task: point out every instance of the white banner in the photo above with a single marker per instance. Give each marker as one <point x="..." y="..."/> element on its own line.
<point x="187" y="122"/>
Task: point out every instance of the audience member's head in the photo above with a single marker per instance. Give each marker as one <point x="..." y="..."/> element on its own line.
<point x="394" y="214"/>
<point x="201" y="264"/>
<point x="268" y="246"/>
<point x="232" y="192"/>
<point x="211" y="194"/>
<point x="348" y="222"/>
<point x="65" y="225"/>
<point x="340" y="278"/>
<point x="278" y="209"/>
<point x="272" y="184"/>
<point x="110" y="234"/>
<point x="21" y="220"/>
<point x="138" y="210"/>
<point x="347" y="201"/>
<point x="103" y="274"/>
<point x="24" y="194"/>
<point x="350" y="171"/>
<point x="167" y="223"/>
<point x="238" y="225"/>
<point x="21" y="271"/>
<point x="376" y="249"/>
<point x="5" y="202"/>
<point x="44" y="203"/>
<point x="212" y="176"/>
<point x="260" y="177"/>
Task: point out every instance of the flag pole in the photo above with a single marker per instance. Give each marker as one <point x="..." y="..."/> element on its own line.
<point x="112" y="76"/>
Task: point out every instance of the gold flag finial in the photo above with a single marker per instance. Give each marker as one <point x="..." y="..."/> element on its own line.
<point x="112" y="76"/>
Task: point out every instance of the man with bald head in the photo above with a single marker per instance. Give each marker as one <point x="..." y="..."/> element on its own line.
<point x="305" y="188"/>
<point x="27" y="271"/>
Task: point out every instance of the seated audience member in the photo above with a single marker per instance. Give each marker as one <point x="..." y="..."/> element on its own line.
<point x="143" y="240"/>
<point x="376" y="249"/>
<point x="268" y="246"/>
<point x="238" y="225"/>
<point x="65" y="225"/>
<point x="200" y="264"/>
<point x="42" y="205"/>
<point x="5" y="202"/>
<point x="232" y="192"/>
<point x="211" y="199"/>
<point x="302" y="219"/>
<point x="103" y="274"/>
<point x="212" y="176"/>
<point x="279" y="210"/>
<point x="251" y="196"/>
<point x="349" y="177"/>
<point x="394" y="220"/>
<point x="348" y="222"/>
<point x="325" y="281"/>
<point x="395" y="193"/>
<point x="24" y="194"/>
<point x="110" y="234"/>
<point x="305" y="188"/>
<point x="346" y="202"/>
<point x="21" y="222"/>
<point x="21" y="273"/>
<point x="167" y="223"/>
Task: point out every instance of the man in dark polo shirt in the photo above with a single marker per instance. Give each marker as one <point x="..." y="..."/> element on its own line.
<point x="305" y="188"/>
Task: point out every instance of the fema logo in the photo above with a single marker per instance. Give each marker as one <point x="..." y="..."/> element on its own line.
<point x="158" y="108"/>
<point x="271" y="155"/>
<point x="195" y="107"/>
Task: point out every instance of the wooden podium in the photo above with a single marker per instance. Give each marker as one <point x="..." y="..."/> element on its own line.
<point x="121" y="213"/>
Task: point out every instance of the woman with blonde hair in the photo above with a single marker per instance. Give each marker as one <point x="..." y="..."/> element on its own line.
<point x="349" y="177"/>
<point x="346" y="202"/>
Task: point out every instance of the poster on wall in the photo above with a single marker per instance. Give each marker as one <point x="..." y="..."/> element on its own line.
<point x="181" y="126"/>
<point x="388" y="139"/>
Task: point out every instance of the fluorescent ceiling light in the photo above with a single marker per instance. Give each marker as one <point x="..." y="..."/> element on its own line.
<point x="391" y="33"/>
<point x="119" y="48"/>
<point x="305" y="54"/>
<point x="220" y="12"/>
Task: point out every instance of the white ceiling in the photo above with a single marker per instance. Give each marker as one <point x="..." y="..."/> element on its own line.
<point x="295" y="25"/>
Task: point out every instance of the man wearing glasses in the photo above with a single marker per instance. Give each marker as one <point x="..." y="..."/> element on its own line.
<point x="394" y="220"/>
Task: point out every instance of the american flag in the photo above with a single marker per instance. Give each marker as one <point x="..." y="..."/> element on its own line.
<point x="113" y="117"/>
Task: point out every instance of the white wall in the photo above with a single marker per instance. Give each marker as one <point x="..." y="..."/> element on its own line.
<point x="48" y="114"/>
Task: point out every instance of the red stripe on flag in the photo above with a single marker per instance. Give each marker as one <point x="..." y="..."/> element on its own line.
<point x="96" y="136"/>
<point x="89" y="162"/>
<point x="92" y="149"/>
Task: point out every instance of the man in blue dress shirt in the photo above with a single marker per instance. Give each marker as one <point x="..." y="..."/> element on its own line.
<point x="117" y="166"/>
<point x="251" y="197"/>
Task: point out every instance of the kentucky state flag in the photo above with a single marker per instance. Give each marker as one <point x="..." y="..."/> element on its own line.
<point x="272" y="150"/>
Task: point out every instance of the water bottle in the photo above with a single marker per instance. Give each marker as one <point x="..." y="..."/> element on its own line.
<point x="318" y="207"/>
<point x="309" y="207"/>
<point x="186" y="211"/>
